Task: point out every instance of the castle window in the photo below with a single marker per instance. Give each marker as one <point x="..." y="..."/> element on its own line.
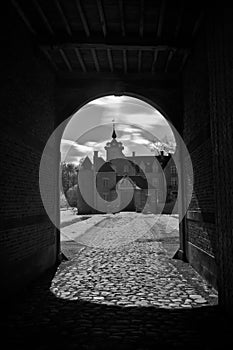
<point x="105" y="196"/>
<point x="105" y="182"/>
<point x="155" y="168"/>
<point x="126" y="168"/>
<point x="173" y="169"/>
<point x="173" y="181"/>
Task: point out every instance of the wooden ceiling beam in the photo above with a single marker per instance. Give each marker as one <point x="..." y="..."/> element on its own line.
<point x="83" y="17"/>
<point x="43" y="17"/>
<point x="23" y="17"/>
<point x="80" y="59"/>
<point x="169" y="58"/>
<point x="161" y="18"/>
<point x="179" y="22"/>
<point x="125" y="61"/>
<point x="63" y="17"/>
<point x="156" y="52"/>
<point x="72" y="76"/>
<point x="102" y="17"/>
<point x="197" y="24"/>
<point x="49" y="58"/>
<point x="122" y="17"/>
<point x="184" y="60"/>
<point x="139" y="60"/>
<point x="109" y="53"/>
<point x="141" y="25"/>
<point x="141" y="45"/>
<point x="66" y="60"/>
<point x="95" y="59"/>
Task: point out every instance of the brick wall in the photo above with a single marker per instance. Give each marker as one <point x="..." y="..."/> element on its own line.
<point x="208" y="106"/>
<point x="200" y="227"/>
<point x="220" y="67"/>
<point x="27" y="120"/>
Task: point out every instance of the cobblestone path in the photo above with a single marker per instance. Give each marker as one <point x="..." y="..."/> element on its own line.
<point x="121" y="291"/>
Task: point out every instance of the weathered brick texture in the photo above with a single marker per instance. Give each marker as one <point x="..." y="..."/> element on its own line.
<point x="197" y="139"/>
<point x="27" y="120"/>
<point x="220" y="65"/>
<point x="208" y="106"/>
<point x="200" y="234"/>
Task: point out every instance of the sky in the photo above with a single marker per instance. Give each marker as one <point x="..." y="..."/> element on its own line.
<point x="139" y="126"/>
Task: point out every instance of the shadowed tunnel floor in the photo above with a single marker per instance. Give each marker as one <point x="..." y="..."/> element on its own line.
<point x="111" y="295"/>
<point x="43" y="321"/>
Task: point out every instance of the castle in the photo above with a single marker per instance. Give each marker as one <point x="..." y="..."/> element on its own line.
<point x="126" y="183"/>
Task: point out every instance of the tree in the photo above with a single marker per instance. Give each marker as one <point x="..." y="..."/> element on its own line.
<point x="69" y="174"/>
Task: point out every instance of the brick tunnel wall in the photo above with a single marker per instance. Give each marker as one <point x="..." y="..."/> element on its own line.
<point x="220" y="67"/>
<point x="208" y="105"/>
<point x="27" y="238"/>
<point x="200" y="218"/>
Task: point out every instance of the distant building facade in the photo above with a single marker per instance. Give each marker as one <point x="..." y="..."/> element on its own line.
<point x="150" y="182"/>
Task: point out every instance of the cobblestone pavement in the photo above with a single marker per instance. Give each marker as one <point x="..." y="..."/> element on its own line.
<point x="121" y="291"/>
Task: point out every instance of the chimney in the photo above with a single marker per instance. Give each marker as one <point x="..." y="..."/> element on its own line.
<point x="95" y="157"/>
<point x="133" y="154"/>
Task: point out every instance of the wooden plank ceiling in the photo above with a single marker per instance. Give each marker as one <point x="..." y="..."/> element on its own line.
<point x="112" y="36"/>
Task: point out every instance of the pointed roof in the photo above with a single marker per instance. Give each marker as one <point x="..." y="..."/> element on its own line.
<point x="125" y="181"/>
<point x="86" y="164"/>
<point x="106" y="167"/>
<point x="99" y="162"/>
<point x="114" y="136"/>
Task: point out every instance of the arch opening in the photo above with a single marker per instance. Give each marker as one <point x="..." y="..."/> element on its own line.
<point x="145" y="136"/>
<point x="119" y="177"/>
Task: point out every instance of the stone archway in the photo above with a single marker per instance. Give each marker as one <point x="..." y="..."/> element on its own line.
<point x="72" y="106"/>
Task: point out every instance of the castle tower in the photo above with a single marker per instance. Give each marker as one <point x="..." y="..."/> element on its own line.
<point x="114" y="148"/>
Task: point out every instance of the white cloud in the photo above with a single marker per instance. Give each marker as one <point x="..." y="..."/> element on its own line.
<point x="106" y="100"/>
<point x="126" y="137"/>
<point x="141" y="141"/>
<point x="66" y="145"/>
<point x="138" y="124"/>
<point x="71" y="151"/>
<point x="91" y="144"/>
<point x="145" y="120"/>
<point x="95" y="145"/>
<point x="127" y="128"/>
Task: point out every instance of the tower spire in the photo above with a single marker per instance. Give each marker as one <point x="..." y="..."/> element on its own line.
<point x="113" y="128"/>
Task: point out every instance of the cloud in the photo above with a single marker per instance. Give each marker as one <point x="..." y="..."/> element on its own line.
<point x="95" y="145"/>
<point x="127" y="128"/>
<point x="111" y="99"/>
<point x="71" y="151"/>
<point x="138" y="125"/>
<point x="66" y="145"/>
<point x="128" y="109"/>
<point x="85" y="124"/>
<point x="126" y="137"/>
<point x="91" y="144"/>
<point x="147" y="120"/>
<point x="141" y="141"/>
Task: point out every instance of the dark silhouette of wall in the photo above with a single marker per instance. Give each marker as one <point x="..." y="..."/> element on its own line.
<point x="201" y="227"/>
<point x="28" y="238"/>
<point x="207" y="86"/>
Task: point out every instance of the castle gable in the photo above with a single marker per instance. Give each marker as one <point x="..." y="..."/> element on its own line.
<point x="86" y="164"/>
